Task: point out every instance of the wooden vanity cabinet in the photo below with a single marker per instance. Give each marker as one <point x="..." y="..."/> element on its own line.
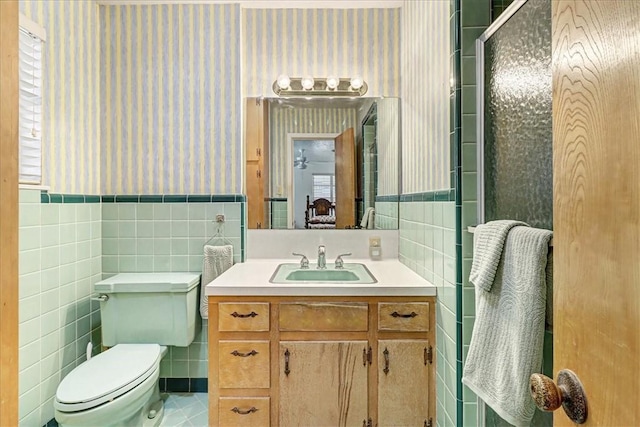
<point x="320" y="361"/>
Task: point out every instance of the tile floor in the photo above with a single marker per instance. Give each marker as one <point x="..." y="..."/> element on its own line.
<point x="186" y="410"/>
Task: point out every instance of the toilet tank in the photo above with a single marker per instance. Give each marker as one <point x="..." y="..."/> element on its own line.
<point x="140" y="308"/>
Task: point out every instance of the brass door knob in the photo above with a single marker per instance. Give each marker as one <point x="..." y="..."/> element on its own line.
<point x="569" y="394"/>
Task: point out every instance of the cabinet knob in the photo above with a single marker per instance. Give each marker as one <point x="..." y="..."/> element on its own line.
<point x="569" y="394"/>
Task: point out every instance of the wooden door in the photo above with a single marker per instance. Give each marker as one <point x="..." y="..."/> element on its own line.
<point x="9" y="213"/>
<point x="257" y="161"/>
<point x="326" y="384"/>
<point x="403" y="383"/>
<point x="596" y="155"/>
<point x="345" y="179"/>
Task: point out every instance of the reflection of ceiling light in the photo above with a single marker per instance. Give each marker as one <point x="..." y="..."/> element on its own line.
<point x="308" y="86"/>
<point x="283" y="81"/>
<point x="356" y="82"/>
<point x="300" y="162"/>
<point x="332" y="82"/>
<point x="307" y="83"/>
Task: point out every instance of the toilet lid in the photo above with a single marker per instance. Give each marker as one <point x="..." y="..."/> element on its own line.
<point x="108" y="375"/>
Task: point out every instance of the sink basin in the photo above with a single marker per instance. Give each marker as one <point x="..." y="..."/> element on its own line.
<point x="322" y="275"/>
<point x="351" y="273"/>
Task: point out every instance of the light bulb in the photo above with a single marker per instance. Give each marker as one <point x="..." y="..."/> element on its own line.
<point x="332" y="82"/>
<point x="356" y="82"/>
<point x="307" y="83"/>
<point x="283" y="81"/>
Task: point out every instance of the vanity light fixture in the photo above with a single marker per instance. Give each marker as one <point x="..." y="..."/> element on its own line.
<point x="283" y="81"/>
<point x="308" y="86"/>
<point x="332" y="82"/>
<point x="356" y="82"/>
<point x="307" y="83"/>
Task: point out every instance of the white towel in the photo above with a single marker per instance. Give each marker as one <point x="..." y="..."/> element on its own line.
<point x="368" y="219"/>
<point x="488" y="241"/>
<point x="217" y="260"/>
<point x="508" y="334"/>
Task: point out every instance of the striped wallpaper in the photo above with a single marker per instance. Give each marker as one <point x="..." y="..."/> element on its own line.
<point x="321" y="42"/>
<point x="285" y="120"/>
<point x="71" y="99"/>
<point x="387" y="134"/>
<point x="426" y="74"/>
<point x="171" y="99"/>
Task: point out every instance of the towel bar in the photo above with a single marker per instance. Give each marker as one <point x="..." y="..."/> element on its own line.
<point x="471" y="229"/>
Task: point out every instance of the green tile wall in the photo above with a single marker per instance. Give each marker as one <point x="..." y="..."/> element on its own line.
<point x="386" y="215"/>
<point x="148" y="236"/>
<point x="428" y="246"/>
<point x="60" y="260"/>
<point x="279" y="214"/>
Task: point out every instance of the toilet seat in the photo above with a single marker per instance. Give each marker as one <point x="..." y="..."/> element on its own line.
<point x="106" y="376"/>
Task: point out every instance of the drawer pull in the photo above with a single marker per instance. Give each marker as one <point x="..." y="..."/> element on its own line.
<point x="241" y="412"/>
<point x="286" y="362"/>
<point x="243" y="316"/>
<point x="405" y="316"/>
<point x="386" y="361"/>
<point x="237" y="353"/>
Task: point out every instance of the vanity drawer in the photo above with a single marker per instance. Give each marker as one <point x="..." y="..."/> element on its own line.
<point x="324" y="317"/>
<point x="251" y="316"/>
<point x="404" y="316"/>
<point x="243" y="411"/>
<point x="243" y="364"/>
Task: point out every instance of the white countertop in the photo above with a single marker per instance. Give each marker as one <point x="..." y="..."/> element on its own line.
<point x="252" y="278"/>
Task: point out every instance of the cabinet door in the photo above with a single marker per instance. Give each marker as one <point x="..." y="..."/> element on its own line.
<point x="403" y="383"/>
<point x="323" y="383"/>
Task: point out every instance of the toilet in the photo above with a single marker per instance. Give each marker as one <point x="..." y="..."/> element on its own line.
<point x="142" y="313"/>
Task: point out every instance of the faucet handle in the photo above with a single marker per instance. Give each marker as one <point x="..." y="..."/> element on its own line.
<point x="304" y="262"/>
<point x="340" y="262"/>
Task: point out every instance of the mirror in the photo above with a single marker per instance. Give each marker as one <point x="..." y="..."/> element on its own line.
<point x="322" y="163"/>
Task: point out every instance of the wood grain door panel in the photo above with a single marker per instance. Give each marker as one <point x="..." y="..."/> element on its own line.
<point x="326" y="384"/>
<point x="345" y="179"/>
<point x="596" y="157"/>
<point x="403" y="390"/>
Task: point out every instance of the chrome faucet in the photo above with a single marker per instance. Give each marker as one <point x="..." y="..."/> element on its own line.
<point x="304" y="262"/>
<point x="322" y="260"/>
<point x="340" y="262"/>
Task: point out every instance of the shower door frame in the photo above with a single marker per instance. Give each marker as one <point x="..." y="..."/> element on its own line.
<point x="480" y="82"/>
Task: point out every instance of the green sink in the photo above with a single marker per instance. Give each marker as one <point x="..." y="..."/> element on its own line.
<point x="323" y="275"/>
<point x="290" y="273"/>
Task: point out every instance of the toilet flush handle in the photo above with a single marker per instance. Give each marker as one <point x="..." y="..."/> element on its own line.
<point x="101" y="298"/>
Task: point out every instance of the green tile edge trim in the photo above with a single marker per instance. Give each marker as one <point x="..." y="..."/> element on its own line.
<point x="243" y="232"/>
<point x="46" y="197"/>
<point x="390" y="198"/>
<point x="430" y="196"/>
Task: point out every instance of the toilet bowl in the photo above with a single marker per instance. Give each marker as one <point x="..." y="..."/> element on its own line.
<point x="141" y="314"/>
<point x="118" y="387"/>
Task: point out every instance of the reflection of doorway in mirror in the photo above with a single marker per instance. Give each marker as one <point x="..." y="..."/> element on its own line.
<point x="313" y="174"/>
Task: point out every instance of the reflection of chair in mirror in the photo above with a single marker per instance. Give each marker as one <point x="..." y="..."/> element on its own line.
<point x="320" y="214"/>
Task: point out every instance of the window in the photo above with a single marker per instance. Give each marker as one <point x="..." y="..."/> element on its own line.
<point x="324" y="186"/>
<point x="30" y="101"/>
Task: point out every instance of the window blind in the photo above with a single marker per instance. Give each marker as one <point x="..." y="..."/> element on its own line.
<point x="30" y="101"/>
<point x="323" y="187"/>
